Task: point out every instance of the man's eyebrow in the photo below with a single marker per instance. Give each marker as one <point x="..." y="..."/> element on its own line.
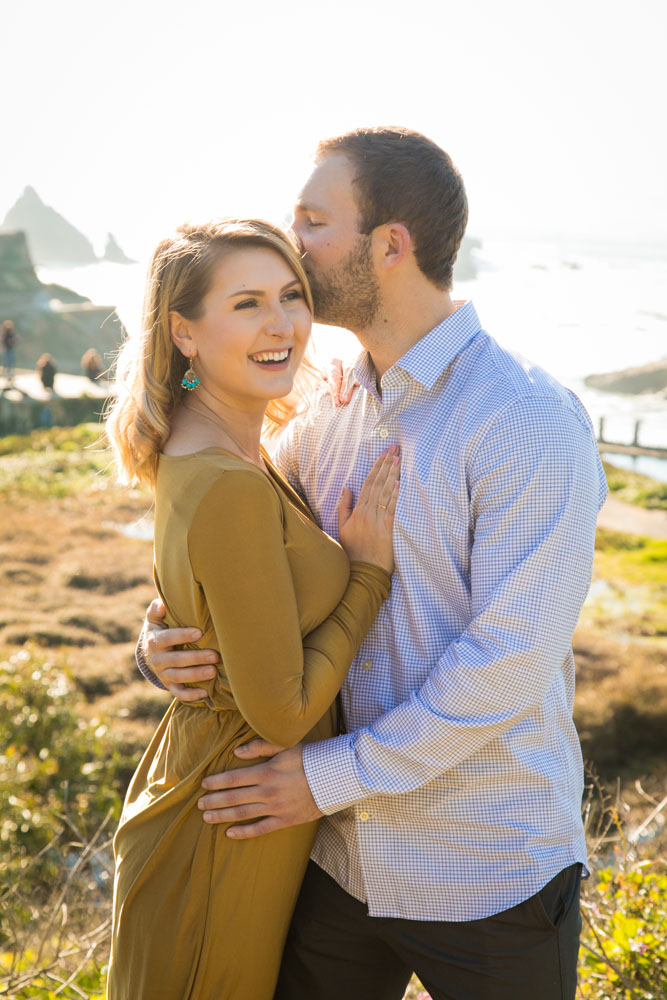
<point x="305" y="206"/>
<point x="262" y="291"/>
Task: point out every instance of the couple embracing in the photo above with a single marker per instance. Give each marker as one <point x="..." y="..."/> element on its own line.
<point x="369" y="767"/>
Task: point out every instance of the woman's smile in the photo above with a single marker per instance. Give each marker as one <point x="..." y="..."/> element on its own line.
<point x="273" y="360"/>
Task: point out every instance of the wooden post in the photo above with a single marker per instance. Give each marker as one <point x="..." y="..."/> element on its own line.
<point x="635" y="439"/>
<point x="601" y="429"/>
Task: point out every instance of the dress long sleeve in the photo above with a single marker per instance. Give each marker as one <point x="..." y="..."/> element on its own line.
<point x="282" y="682"/>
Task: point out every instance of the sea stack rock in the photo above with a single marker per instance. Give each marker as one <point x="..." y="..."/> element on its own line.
<point x="114" y="254"/>
<point x="51" y="238"/>
<point x="50" y="318"/>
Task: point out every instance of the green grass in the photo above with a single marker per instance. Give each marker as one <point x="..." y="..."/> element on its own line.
<point x="632" y="487"/>
<point x="72" y="439"/>
<point x="56" y="463"/>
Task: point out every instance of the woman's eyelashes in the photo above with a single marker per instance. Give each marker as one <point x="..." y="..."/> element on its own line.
<point x="293" y="295"/>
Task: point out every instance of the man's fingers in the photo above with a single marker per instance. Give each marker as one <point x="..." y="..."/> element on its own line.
<point x="186" y="675"/>
<point x="156" y="611"/>
<point x="186" y="693"/>
<point x="258" y="748"/>
<point x="166" y="637"/>
<point x="234" y="814"/>
<point x="240" y="778"/>
<point x="266" y="825"/>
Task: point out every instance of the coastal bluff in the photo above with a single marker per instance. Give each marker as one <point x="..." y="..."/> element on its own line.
<point x="52" y="240"/>
<point x="632" y="381"/>
<point x="51" y="318"/>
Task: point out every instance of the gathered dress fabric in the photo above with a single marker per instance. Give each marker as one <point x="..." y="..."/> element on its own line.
<point x="198" y="916"/>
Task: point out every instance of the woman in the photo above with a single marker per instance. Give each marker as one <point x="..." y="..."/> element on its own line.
<point x="196" y="914"/>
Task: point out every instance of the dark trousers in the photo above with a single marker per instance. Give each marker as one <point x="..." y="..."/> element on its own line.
<point x="336" y="951"/>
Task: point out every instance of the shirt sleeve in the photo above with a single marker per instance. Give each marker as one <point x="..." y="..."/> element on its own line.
<point x="282" y="683"/>
<point x="144" y="669"/>
<point x="535" y="492"/>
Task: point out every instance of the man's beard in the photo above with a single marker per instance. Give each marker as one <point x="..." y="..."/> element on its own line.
<point x="347" y="295"/>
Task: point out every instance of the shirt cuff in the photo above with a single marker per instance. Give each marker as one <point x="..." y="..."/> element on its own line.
<point x="331" y="772"/>
<point x="143" y="666"/>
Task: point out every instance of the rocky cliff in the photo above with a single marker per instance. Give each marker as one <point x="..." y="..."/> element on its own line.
<point x="50" y="318"/>
<point x="631" y="381"/>
<point x="52" y="240"/>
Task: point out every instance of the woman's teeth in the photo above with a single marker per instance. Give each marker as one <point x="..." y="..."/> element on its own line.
<point x="270" y="356"/>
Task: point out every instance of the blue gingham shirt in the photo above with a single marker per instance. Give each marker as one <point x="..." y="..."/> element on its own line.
<point x="455" y="792"/>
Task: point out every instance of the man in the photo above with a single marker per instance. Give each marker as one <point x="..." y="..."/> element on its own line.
<point x="452" y="842"/>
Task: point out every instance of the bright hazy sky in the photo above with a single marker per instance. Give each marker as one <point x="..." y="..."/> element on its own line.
<point x="134" y="115"/>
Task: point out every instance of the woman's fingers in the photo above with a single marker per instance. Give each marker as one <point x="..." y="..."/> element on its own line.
<point x="377" y="475"/>
<point x="387" y="491"/>
<point x="334" y="379"/>
<point x="345" y="506"/>
<point x="370" y="479"/>
<point x="385" y="479"/>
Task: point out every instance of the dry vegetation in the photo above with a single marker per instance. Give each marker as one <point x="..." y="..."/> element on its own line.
<point x="75" y="587"/>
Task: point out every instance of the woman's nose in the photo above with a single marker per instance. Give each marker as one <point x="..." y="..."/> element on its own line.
<point x="279" y="323"/>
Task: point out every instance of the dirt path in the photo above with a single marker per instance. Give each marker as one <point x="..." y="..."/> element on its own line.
<point x="618" y="516"/>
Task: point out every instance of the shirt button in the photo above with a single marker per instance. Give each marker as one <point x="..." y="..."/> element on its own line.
<point x="367" y="664"/>
<point x="364" y="816"/>
<point x="383" y="432"/>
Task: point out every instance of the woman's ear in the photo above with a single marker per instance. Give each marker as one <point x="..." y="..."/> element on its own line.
<point x="180" y="334"/>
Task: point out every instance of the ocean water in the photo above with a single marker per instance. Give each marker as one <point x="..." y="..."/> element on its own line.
<point x="574" y="309"/>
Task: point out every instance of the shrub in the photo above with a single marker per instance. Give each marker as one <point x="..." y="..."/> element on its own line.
<point x="624" y="942"/>
<point x="58" y="771"/>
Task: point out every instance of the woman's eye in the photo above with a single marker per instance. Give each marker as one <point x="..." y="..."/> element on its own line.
<point x="246" y="304"/>
<point x="293" y="295"/>
<point x="313" y="225"/>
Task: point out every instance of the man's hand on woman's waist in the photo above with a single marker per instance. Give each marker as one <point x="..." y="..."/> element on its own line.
<point x="174" y="667"/>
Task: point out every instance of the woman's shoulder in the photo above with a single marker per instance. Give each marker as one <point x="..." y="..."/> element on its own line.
<point x="211" y="477"/>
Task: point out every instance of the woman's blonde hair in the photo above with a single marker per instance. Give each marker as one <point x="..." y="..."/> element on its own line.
<point x="149" y="368"/>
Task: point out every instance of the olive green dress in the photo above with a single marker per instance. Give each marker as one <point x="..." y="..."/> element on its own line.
<point x="198" y="916"/>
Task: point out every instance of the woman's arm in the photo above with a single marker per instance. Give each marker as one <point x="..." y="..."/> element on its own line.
<point x="282" y="684"/>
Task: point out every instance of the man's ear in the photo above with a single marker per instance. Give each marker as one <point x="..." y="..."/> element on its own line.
<point x="180" y="334"/>
<point x="393" y="244"/>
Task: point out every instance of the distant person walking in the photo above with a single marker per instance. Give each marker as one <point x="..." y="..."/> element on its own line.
<point x="8" y="339"/>
<point x="46" y="370"/>
<point x="91" y="363"/>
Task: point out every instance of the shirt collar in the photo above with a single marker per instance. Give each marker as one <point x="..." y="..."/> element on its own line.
<point x="430" y="356"/>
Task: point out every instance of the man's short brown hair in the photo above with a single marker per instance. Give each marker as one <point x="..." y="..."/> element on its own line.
<point x="401" y="176"/>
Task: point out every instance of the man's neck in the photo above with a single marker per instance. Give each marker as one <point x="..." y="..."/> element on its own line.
<point x="401" y="324"/>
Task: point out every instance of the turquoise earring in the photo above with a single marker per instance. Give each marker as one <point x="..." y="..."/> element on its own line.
<point x="190" y="379"/>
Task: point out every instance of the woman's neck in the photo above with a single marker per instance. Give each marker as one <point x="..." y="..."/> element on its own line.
<point x="207" y="421"/>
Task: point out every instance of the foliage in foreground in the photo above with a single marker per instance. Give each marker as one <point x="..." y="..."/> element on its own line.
<point x="61" y="778"/>
<point x="632" y="487"/>
<point x="60" y="774"/>
<point x="54" y="439"/>
<point x="624" y="952"/>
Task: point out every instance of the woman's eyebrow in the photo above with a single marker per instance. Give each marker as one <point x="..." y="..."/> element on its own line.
<point x="262" y="291"/>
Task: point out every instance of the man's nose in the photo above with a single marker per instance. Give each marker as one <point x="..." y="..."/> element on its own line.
<point x="295" y="236"/>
